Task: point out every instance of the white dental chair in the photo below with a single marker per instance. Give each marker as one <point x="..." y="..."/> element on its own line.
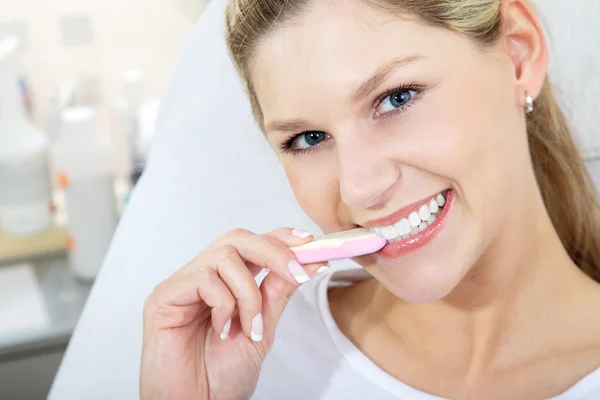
<point x="210" y="171"/>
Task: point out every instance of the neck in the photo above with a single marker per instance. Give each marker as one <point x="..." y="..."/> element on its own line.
<point x="500" y="306"/>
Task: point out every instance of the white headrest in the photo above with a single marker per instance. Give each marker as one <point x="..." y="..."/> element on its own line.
<point x="211" y="171"/>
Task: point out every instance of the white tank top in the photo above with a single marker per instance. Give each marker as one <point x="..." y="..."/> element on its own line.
<point x="312" y="359"/>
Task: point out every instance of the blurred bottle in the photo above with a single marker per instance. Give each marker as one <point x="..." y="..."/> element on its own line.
<point x="82" y="160"/>
<point x="26" y="97"/>
<point x="25" y="185"/>
<point x="134" y="90"/>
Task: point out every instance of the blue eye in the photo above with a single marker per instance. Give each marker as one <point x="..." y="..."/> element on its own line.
<point x="396" y="99"/>
<point x="309" y="139"/>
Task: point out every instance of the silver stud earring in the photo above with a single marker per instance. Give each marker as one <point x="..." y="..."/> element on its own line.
<point x="529" y="103"/>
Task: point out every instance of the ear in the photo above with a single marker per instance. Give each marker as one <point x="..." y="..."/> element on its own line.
<point x="524" y="40"/>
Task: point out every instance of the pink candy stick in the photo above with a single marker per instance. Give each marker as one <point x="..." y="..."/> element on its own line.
<point x="346" y="244"/>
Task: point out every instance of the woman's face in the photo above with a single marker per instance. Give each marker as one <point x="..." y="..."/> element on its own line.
<point x="374" y="116"/>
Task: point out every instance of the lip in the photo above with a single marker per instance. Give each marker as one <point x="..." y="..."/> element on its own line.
<point x="403" y="247"/>
<point x="401" y="213"/>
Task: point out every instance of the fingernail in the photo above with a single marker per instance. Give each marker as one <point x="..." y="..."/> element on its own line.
<point x="298" y="272"/>
<point x="301" y="234"/>
<point x="226" y="328"/>
<point x="257" y="328"/>
<point x="322" y="269"/>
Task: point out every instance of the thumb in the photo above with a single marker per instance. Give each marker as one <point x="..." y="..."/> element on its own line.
<point x="276" y="293"/>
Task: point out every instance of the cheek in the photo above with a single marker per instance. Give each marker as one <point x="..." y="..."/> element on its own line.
<point x="475" y="143"/>
<point x="475" y="139"/>
<point x="316" y="189"/>
<point x="493" y="152"/>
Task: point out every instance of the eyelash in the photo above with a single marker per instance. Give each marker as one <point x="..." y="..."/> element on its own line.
<point x="418" y="89"/>
<point x="287" y="146"/>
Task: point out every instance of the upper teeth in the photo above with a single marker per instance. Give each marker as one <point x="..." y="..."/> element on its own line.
<point x="440" y="200"/>
<point x="433" y="206"/>
<point x="414" y="219"/>
<point x="417" y="220"/>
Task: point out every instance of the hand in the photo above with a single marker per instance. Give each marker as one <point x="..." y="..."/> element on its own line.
<point x="208" y="328"/>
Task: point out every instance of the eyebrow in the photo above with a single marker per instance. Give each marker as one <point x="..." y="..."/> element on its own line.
<point x="292" y="125"/>
<point x="381" y="74"/>
<point x="365" y="89"/>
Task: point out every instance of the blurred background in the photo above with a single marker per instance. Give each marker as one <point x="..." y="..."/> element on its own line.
<point x="80" y="85"/>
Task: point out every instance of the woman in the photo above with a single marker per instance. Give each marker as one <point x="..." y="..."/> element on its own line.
<point x="378" y="108"/>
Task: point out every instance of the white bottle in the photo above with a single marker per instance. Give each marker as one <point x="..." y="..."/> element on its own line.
<point x="81" y="157"/>
<point x="25" y="185"/>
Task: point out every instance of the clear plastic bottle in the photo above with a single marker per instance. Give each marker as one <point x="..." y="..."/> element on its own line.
<point x="81" y="158"/>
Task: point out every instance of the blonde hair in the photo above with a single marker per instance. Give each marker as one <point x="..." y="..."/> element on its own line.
<point x="567" y="190"/>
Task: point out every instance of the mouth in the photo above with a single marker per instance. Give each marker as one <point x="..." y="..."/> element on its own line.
<point x="413" y="226"/>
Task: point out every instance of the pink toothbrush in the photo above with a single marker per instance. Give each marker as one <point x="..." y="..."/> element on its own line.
<point x="335" y="246"/>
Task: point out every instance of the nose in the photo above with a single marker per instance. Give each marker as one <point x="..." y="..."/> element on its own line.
<point x="368" y="176"/>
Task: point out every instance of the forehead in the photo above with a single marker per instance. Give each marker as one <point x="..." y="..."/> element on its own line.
<point x="332" y="47"/>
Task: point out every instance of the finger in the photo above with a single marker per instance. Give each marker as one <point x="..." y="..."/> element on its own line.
<point x="219" y="297"/>
<point x="266" y="252"/>
<point x="239" y="280"/>
<point x="255" y="269"/>
<point x="290" y="236"/>
<point x="181" y="299"/>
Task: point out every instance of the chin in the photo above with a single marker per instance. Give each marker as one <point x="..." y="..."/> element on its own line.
<point x="422" y="283"/>
<point x="430" y="272"/>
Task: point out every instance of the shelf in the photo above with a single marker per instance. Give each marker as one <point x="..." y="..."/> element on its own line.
<point x="12" y="248"/>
